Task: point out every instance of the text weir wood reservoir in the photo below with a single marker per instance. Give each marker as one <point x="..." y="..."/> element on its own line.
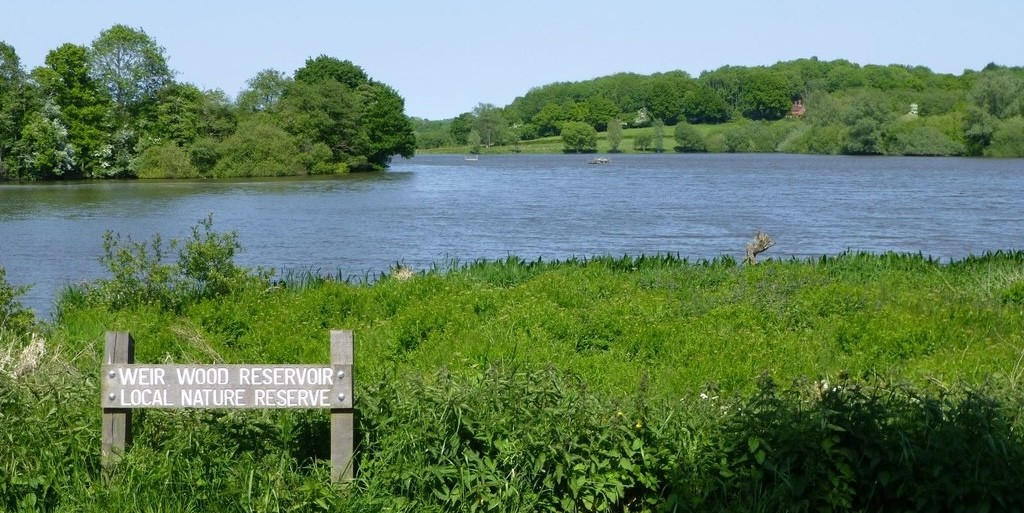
<point x="226" y="386"/>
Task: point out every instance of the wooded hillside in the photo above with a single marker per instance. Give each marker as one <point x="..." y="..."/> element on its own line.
<point x="837" y="107"/>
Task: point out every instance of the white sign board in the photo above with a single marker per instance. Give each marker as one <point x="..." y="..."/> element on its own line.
<point x="226" y="386"/>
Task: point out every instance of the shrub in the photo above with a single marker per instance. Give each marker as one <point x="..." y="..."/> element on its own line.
<point x="642" y="141"/>
<point x="204" y="154"/>
<point x="820" y="139"/>
<point x="919" y="139"/>
<point x="503" y="439"/>
<point x="204" y="268"/>
<point x="1008" y="139"/>
<point x="579" y="137"/>
<point x="258" y="148"/>
<point x="856" y="446"/>
<point x="756" y="136"/>
<point x="166" y="160"/>
<point x="688" y="138"/>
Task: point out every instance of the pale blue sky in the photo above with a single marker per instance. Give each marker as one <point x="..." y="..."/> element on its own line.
<point x="446" y="56"/>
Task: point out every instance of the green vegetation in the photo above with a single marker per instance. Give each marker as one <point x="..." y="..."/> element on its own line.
<point x="801" y="106"/>
<point x="114" y="110"/>
<point x="851" y="383"/>
<point x="579" y="137"/>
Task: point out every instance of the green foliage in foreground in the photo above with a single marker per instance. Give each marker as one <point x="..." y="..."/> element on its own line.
<point x="850" y="383"/>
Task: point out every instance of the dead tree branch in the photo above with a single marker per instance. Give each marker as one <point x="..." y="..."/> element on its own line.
<point x="759" y="245"/>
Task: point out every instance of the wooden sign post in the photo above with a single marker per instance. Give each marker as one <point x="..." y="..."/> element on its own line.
<point x="126" y="385"/>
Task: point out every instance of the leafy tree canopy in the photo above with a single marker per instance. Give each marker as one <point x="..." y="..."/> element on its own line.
<point x="264" y="92"/>
<point x="579" y="137"/>
<point x="130" y="64"/>
<point x="329" y="68"/>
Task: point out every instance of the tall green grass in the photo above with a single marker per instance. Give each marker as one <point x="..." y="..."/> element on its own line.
<point x="638" y="383"/>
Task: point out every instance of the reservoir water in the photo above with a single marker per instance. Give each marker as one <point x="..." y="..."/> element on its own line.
<point x="434" y="209"/>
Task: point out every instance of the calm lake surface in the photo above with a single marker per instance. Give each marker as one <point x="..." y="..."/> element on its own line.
<point x="436" y="208"/>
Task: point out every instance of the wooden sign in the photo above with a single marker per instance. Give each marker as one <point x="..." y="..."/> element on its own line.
<point x="226" y="386"/>
<point x="126" y="386"/>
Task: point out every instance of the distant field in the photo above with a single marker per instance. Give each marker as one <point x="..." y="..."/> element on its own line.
<point x="554" y="144"/>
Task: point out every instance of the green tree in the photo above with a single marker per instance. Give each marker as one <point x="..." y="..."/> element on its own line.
<point x="891" y="77"/>
<point x="821" y="139"/>
<point x="44" y="147"/>
<point x="658" y="135"/>
<point x="688" y="138"/>
<point x="755" y="136"/>
<point x="727" y="82"/>
<point x="176" y="115"/>
<point x="579" y="137"/>
<point x="166" y="160"/>
<point x="264" y="91"/>
<point x="16" y="102"/>
<point x="764" y="95"/>
<point x="600" y="110"/>
<point x="998" y="93"/>
<point x="132" y="67"/>
<point x="460" y="128"/>
<point x="978" y="129"/>
<point x="823" y="108"/>
<point x="614" y="134"/>
<point x="217" y="116"/>
<point x="867" y="119"/>
<point x="325" y="68"/>
<point x="842" y="75"/>
<point x="576" y="111"/>
<point x="642" y="141"/>
<point x="204" y="154"/>
<point x="366" y="124"/>
<point x="490" y="123"/>
<point x="549" y="119"/>
<point x="325" y="113"/>
<point x="84" y="104"/>
<point x="473" y="140"/>
<point x="1008" y="139"/>
<point x="116" y="159"/>
<point x="258" y="148"/>
<point x="703" y="105"/>
<point x="917" y="138"/>
<point x="432" y="133"/>
<point x="182" y="114"/>
<point x="667" y="93"/>
<point x="387" y="128"/>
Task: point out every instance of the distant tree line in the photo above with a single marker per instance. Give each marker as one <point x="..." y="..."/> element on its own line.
<point x="114" y="110"/>
<point x="847" y="109"/>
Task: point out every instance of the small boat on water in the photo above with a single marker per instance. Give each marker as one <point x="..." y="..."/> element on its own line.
<point x="599" y="160"/>
<point x="472" y="158"/>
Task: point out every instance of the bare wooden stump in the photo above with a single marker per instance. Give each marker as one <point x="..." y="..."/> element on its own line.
<point x="759" y="245"/>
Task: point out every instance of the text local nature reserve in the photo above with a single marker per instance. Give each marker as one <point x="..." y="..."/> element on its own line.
<point x="237" y="386"/>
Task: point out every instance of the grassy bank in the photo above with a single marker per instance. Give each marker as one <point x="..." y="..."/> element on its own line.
<point x="855" y="382"/>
